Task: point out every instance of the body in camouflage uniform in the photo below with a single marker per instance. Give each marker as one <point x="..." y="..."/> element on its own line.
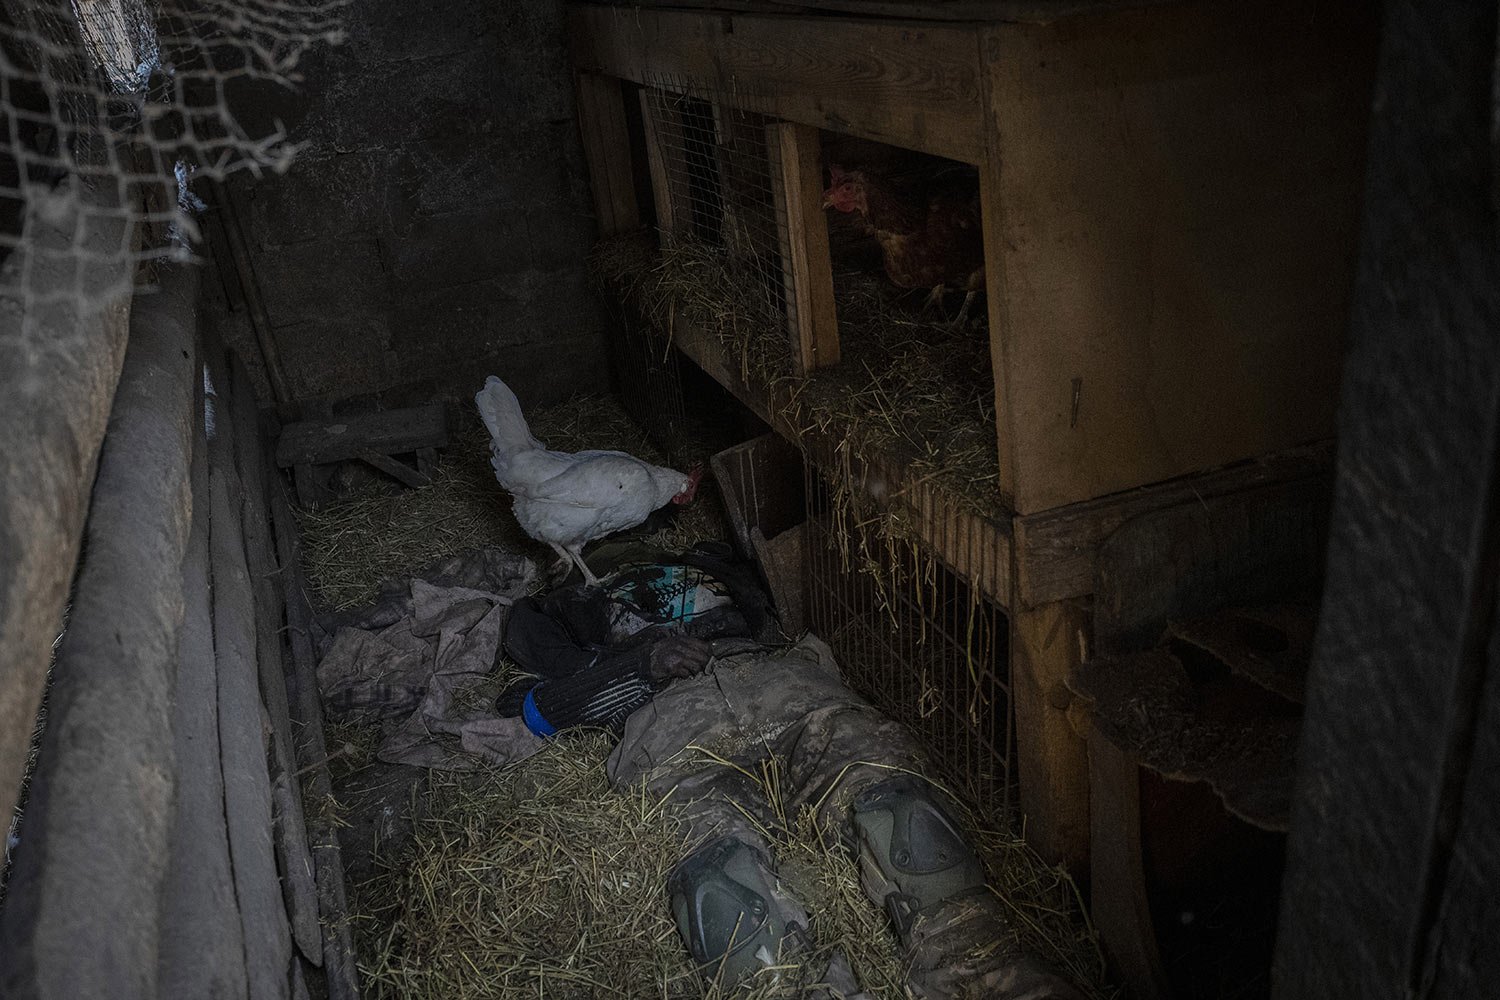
<point x="700" y="739"/>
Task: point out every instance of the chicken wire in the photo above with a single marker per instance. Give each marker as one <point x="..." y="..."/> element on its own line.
<point x="112" y="108"/>
<point x="912" y="629"/>
<point x="721" y="166"/>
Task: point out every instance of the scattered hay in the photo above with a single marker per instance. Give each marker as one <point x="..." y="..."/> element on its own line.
<point x="353" y="544"/>
<point x="916" y="393"/>
<point x="542" y="881"/>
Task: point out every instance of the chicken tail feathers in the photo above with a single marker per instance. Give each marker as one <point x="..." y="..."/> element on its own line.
<point x="503" y="417"/>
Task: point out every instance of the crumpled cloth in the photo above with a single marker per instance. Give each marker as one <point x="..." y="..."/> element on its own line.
<point x="433" y="643"/>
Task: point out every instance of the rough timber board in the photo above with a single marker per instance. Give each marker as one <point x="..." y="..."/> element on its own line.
<point x="816" y="340"/>
<point x="1178" y="189"/>
<point x="389" y="432"/>
<point x="1057" y="551"/>
<point x="601" y="123"/>
<point x="911" y="84"/>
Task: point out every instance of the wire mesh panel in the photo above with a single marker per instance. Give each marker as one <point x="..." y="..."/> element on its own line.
<point x="110" y="107"/>
<point x="913" y="635"/>
<point x="721" y="169"/>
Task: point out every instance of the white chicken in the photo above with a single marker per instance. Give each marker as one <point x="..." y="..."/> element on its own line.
<point x="568" y="500"/>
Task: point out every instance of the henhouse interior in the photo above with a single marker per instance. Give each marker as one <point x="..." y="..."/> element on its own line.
<point x="828" y="499"/>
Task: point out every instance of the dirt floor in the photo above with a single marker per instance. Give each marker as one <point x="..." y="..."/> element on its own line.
<point x="538" y="880"/>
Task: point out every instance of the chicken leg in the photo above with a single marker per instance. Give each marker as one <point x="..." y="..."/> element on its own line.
<point x="573" y="555"/>
<point x="963" y="313"/>
<point x="934" y="298"/>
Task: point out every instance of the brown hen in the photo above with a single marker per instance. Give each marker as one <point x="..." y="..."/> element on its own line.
<point x="929" y="234"/>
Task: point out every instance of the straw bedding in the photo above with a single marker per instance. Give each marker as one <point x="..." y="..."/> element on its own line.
<point x="539" y="880"/>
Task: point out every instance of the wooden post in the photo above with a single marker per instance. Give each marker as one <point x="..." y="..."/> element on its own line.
<point x="661" y="126"/>
<point x="1046" y="642"/>
<point x="606" y="145"/>
<point x="1117" y="883"/>
<point x="804" y="246"/>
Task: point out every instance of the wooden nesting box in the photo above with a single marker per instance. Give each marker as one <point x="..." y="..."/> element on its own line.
<point x="1169" y="195"/>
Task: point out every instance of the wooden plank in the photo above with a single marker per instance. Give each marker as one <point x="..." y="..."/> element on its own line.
<point x="293" y="857"/>
<point x="1260" y="545"/>
<point x="339" y="968"/>
<point x="1117" y="884"/>
<point x="81" y="915"/>
<point x="200" y="952"/>
<point x="805" y="245"/>
<point x="390" y="432"/>
<point x="1178" y="198"/>
<point x="606" y="146"/>
<point x="663" y="133"/>
<point x="912" y="84"/>
<point x="62" y="362"/>
<point x="1056" y="550"/>
<point x="394" y="468"/>
<point x="1046" y="643"/>
<point x="242" y="742"/>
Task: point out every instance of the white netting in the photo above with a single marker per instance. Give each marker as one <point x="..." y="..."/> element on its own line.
<point x="112" y="107"/>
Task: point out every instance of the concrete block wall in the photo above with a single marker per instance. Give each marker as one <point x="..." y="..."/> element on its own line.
<point x="434" y="226"/>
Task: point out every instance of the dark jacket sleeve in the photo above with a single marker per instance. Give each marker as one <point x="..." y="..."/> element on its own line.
<point x="603" y="695"/>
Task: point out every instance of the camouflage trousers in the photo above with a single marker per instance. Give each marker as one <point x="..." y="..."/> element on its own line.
<point x="707" y="743"/>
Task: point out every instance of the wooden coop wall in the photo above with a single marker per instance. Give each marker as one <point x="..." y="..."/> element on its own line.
<point x="1170" y="244"/>
<point x="165" y="847"/>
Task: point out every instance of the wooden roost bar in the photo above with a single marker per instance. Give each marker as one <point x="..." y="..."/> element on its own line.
<point x="1169" y="203"/>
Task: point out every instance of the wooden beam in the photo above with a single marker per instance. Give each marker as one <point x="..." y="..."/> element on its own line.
<point x="1117" y="884"/>
<point x="292" y="854"/>
<point x="242" y="737"/>
<point x="394" y="468"/>
<point x="200" y="953"/>
<point x="909" y="83"/>
<point x="805" y="244"/>
<point x="662" y="132"/>
<point x="606" y="146"/>
<point x="1046" y="643"/>
<point x="339" y="967"/>
<point x="336" y="439"/>
<point x="1056" y="550"/>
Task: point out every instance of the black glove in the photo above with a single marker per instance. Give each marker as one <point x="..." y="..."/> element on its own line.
<point x="676" y="656"/>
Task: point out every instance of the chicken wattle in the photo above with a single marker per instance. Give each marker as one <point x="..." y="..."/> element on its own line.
<point x="569" y="499"/>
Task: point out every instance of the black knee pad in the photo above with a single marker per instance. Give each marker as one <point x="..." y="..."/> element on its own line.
<point x="724" y="900"/>
<point x="911" y="853"/>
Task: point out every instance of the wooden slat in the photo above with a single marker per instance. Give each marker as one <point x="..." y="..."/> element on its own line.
<point x="911" y="84"/>
<point x="805" y="245"/>
<point x="394" y="468"/>
<point x="337" y="439"/>
<point x="1056" y="550"/>
<point x="242" y="739"/>
<point x="200" y="953"/>
<point x="340" y="971"/>
<point x="1172" y="241"/>
<point x="81" y="915"/>
<point x="606" y="145"/>
<point x="292" y="854"/>
<point x="1046" y="643"/>
<point x="662" y="133"/>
